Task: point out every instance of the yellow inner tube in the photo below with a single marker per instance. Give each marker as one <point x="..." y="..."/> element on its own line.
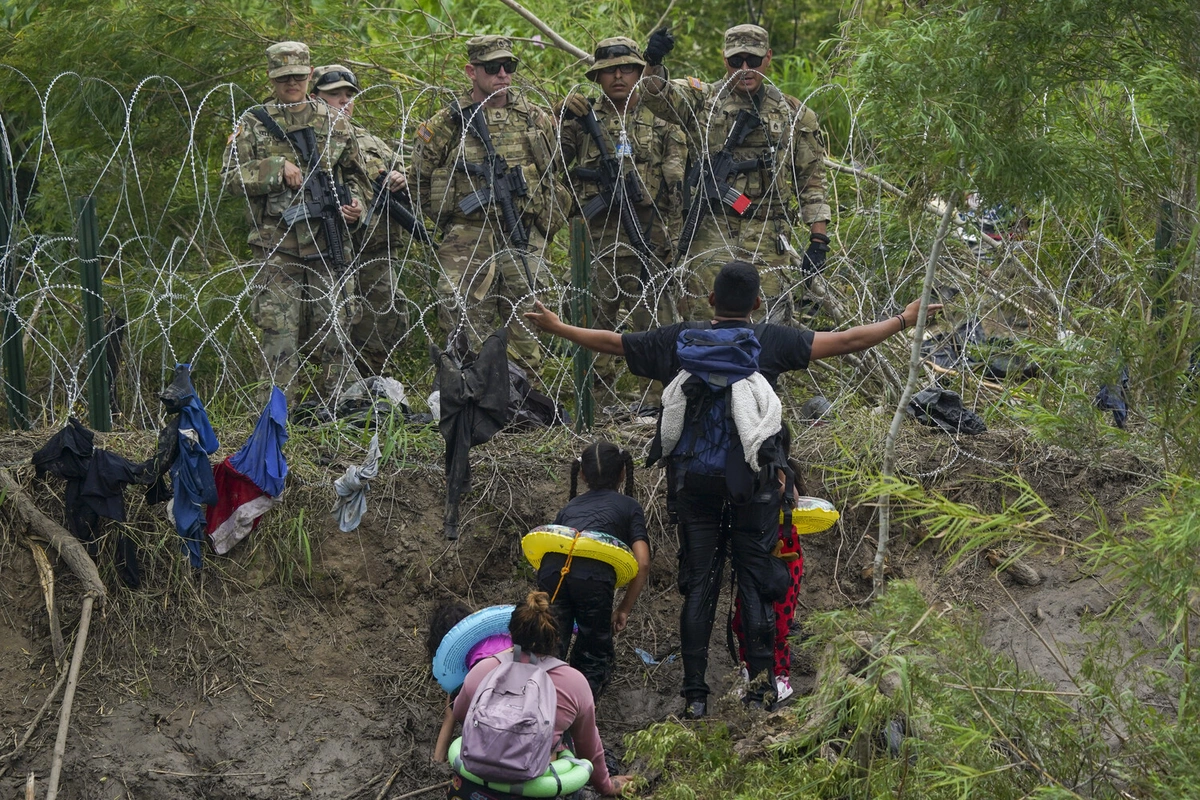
<point x="812" y="515"/>
<point x="580" y="544"/>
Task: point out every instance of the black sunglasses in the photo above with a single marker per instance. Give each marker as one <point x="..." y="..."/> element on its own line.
<point x="736" y="61"/>
<point x="624" y="69"/>
<point x="494" y="67"/>
<point x="613" y="51"/>
<point x="335" y="76"/>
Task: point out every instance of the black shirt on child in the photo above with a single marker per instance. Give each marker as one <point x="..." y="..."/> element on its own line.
<point x="603" y="510"/>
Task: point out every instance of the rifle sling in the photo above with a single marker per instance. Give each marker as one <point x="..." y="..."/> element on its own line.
<point x="268" y="122"/>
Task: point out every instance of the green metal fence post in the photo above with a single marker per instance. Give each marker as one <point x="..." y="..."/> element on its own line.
<point x="581" y="312"/>
<point x="99" y="410"/>
<point x="13" y="347"/>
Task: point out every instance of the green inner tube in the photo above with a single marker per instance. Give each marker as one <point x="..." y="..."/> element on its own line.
<point x="565" y="775"/>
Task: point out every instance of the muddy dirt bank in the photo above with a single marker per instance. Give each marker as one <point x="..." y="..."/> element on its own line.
<point x="238" y="686"/>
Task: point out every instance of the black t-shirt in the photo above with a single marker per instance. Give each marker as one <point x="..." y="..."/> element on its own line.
<point x="652" y="354"/>
<point x="601" y="510"/>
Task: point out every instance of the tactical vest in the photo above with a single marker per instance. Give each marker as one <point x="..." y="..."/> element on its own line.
<point x="515" y="136"/>
<point x="644" y="135"/>
<point x="267" y="227"/>
<point x="376" y="155"/>
<point x="771" y="185"/>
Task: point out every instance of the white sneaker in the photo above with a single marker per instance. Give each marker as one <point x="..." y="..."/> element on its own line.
<point x="783" y="688"/>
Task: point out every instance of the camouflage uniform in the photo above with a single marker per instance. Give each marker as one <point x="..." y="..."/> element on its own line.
<point x="482" y="277"/>
<point x="300" y="302"/>
<point x="658" y="153"/>
<point x="791" y="177"/>
<point x="384" y="308"/>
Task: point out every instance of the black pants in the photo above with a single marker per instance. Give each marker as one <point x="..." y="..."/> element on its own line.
<point x="588" y="603"/>
<point x="463" y="789"/>
<point x="709" y="523"/>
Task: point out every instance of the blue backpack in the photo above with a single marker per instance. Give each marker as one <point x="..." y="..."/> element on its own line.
<point x="717" y="358"/>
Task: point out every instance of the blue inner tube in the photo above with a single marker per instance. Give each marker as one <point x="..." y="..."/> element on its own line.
<point x="565" y="775"/>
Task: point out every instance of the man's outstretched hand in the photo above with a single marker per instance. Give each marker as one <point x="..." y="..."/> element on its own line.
<point x="912" y="309"/>
<point x="542" y="317"/>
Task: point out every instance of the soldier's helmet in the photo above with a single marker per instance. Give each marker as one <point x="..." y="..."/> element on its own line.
<point x="489" y="48"/>
<point x="613" y="52"/>
<point x="287" y="58"/>
<point x="333" y="76"/>
<point x="749" y="39"/>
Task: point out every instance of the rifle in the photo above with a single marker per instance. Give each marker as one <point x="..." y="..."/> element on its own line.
<point x="710" y="178"/>
<point x="327" y="197"/>
<point x="501" y="185"/>
<point x="392" y="204"/>
<point x="614" y="188"/>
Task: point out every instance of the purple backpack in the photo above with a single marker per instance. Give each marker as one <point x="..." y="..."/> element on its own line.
<point x="508" y="733"/>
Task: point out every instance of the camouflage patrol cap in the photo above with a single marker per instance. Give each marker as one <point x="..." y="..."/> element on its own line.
<point x="333" y="76"/>
<point x="489" y="48"/>
<point x="287" y="58"/>
<point x="613" y="52"/>
<point x="749" y="39"/>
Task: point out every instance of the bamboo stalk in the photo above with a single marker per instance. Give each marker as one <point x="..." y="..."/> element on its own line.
<point x="64" y="719"/>
<point x="914" y="369"/>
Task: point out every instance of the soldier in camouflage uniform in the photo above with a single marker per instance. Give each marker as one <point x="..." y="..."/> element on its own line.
<point x="300" y="300"/>
<point x="789" y="178"/>
<point x="484" y="282"/>
<point x="657" y="151"/>
<point x="382" y="309"/>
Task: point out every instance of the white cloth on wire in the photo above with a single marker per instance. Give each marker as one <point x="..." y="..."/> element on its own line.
<point x="755" y="408"/>
<point x="352" y="489"/>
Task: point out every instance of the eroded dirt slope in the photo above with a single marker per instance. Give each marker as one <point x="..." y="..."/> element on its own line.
<point x="238" y="686"/>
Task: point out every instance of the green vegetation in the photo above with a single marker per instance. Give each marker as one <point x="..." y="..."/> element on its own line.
<point x="911" y="703"/>
<point x="1080" y="117"/>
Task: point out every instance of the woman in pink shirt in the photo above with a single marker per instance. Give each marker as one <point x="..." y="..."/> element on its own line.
<point x="533" y="630"/>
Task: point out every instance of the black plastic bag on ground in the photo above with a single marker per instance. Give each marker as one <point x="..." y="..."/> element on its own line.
<point x="942" y="408"/>
<point x="529" y="408"/>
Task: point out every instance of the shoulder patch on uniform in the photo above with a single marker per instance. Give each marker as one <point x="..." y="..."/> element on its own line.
<point x="695" y="83"/>
<point x="424" y="133"/>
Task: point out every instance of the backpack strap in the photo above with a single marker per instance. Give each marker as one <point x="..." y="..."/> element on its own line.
<point x="268" y="122"/>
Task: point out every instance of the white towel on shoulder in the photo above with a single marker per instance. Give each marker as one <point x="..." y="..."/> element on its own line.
<point x="756" y="412"/>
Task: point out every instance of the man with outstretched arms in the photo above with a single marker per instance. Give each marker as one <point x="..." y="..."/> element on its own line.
<point x="628" y="187"/>
<point x="296" y="163"/>
<point x="757" y="168"/>
<point x="482" y="170"/>
<point x="725" y="447"/>
<point x="382" y="313"/>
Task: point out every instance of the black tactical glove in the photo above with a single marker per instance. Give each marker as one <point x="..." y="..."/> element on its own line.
<point x="661" y="43"/>
<point x="814" y="256"/>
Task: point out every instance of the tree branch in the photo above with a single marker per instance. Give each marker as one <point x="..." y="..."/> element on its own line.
<point x="914" y="369"/>
<point x="67" y="545"/>
<point x="559" y="41"/>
